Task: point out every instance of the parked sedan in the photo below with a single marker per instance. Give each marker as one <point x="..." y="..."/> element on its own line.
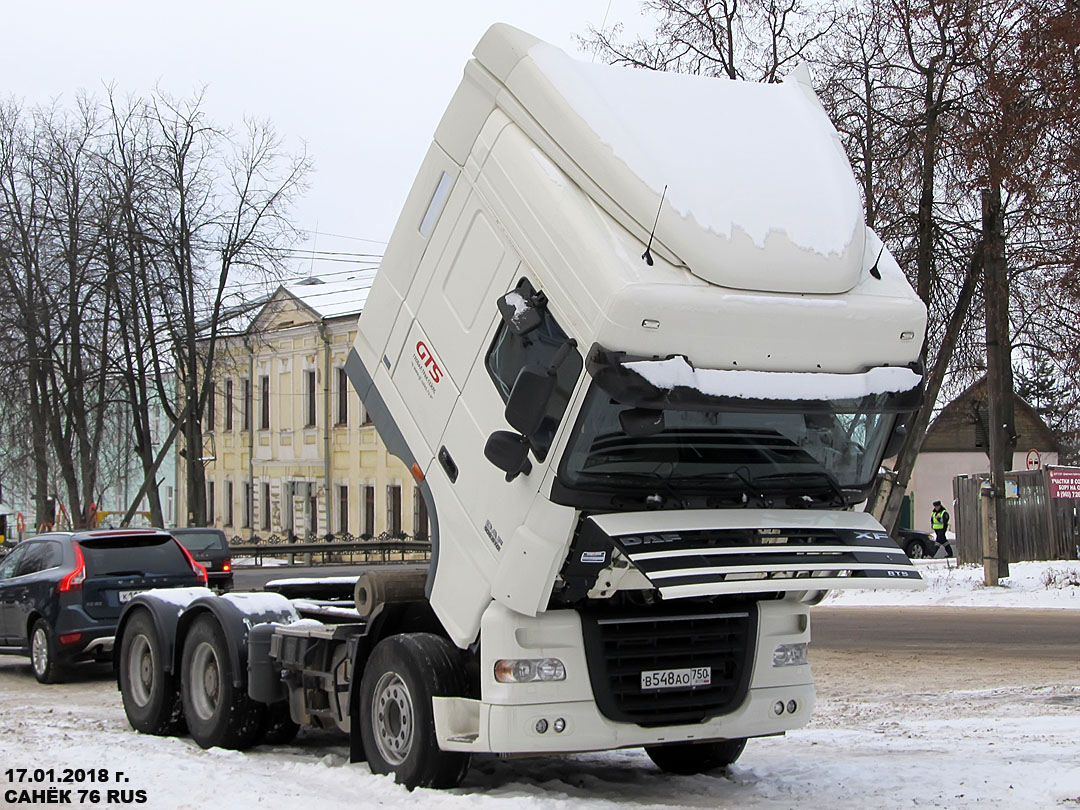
<point x="917" y="544"/>
<point x="209" y="548"/>
<point x="61" y="593"/>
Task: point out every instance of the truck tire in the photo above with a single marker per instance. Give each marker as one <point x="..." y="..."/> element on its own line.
<point x="695" y="757"/>
<point x="397" y="723"/>
<point x="217" y="712"/>
<point x="151" y="695"/>
<point x="43" y="654"/>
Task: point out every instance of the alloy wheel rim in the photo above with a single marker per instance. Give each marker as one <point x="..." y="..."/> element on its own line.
<point x="39" y="651"/>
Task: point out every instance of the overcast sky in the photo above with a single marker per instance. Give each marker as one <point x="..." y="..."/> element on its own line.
<point x="363" y="84"/>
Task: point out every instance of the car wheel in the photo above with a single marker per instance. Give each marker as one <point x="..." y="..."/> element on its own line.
<point x="397" y="722"/>
<point x="43" y="653"/>
<point x="218" y="713"/>
<point x="151" y="695"/>
<point x="915" y="549"/>
<point x="695" y="757"/>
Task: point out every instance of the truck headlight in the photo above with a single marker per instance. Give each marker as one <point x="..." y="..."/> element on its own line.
<point x="789" y="655"/>
<point x="526" y="670"/>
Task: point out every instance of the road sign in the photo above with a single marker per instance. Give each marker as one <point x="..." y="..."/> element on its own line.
<point x="1034" y="461"/>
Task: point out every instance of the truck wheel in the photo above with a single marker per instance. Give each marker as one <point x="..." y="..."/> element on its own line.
<point x="397" y="724"/>
<point x="217" y="712"/>
<point x="43" y="654"/>
<point x="151" y="695"/>
<point x="695" y="757"/>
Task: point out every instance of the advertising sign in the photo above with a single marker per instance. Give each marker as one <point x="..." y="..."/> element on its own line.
<point x="1064" y="482"/>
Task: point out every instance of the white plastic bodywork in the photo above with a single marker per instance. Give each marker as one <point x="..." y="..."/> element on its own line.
<point x="504" y="719"/>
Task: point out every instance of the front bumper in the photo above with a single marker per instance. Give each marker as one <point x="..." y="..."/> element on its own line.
<point x="507" y="718"/>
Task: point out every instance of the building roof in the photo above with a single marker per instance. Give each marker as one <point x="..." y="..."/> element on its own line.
<point x="961" y="425"/>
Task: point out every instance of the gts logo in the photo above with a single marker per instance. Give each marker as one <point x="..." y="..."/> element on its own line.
<point x="650" y="539"/>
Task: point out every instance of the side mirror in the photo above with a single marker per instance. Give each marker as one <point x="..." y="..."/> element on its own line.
<point x="528" y="401"/>
<point x="896" y="441"/>
<point x="522" y="309"/>
<point x="509" y="452"/>
<point x="641" y="422"/>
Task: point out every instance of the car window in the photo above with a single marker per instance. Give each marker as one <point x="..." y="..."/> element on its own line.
<point x="7" y="566"/>
<point x="200" y="541"/>
<point x="146" y="554"/>
<point x="39" y="556"/>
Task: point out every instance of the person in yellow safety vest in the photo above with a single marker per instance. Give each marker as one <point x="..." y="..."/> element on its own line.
<point x="939" y="522"/>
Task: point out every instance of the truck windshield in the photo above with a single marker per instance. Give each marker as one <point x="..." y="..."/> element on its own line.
<point x="776" y="451"/>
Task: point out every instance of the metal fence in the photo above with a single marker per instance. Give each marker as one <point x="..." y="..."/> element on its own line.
<point x="1036" y="526"/>
<point x="339" y="549"/>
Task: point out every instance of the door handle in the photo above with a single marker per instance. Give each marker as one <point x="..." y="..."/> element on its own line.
<point x="447" y="463"/>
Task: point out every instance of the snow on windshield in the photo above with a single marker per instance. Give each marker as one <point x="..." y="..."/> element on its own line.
<point x="774" y="385"/>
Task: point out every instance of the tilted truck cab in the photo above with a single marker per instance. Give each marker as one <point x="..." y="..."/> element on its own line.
<point x="643" y="356"/>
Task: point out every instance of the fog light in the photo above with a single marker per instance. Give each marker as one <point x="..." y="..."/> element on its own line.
<point x="526" y="670"/>
<point x="541" y="726"/>
<point x="559" y="725"/>
<point x="792" y="706"/>
<point x="778" y="708"/>
<point x="789" y="655"/>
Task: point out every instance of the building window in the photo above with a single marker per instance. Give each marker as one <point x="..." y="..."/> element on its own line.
<point x="228" y="404"/>
<point x="393" y="509"/>
<point x="365" y="417"/>
<point x="211" y="414"/>
<point x="245" y="401"/>
<point x="264" y="403"/>
<point x="342" y="397"/>
<point x="420" y="515"/>
<point x="266" y="506"/>
<point x="247" y="505"/>
<point x="309" y="399"/>
<point x="343" y="509"/>
<point x="210" y="506"/>
<point x="228" y="503"/>
<point x="368" y="527"/>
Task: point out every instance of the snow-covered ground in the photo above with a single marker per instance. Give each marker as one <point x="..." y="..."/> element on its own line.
<point x="1030" y="585"/>
<point x="885" y="734"/>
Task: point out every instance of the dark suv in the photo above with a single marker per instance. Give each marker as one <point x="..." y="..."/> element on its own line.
<point x="209" y="548"/>
<point x="61" y="593"/>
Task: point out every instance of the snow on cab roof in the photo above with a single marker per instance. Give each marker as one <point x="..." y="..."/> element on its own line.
<point x="760" y="194"/>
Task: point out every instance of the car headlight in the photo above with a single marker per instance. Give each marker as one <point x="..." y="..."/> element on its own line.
<point x="789" y="655"/>
<point x="529" y="670"/>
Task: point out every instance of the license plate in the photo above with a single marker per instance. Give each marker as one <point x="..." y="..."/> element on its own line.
<point x="675" y="678"/>
<point x="127" y="596"/>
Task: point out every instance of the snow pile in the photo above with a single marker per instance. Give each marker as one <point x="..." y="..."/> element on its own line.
<point x="1029" y="585"/>
<point x="774" y="385"/>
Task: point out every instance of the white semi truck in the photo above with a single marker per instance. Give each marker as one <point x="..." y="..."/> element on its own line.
<point x="643" y="357"/>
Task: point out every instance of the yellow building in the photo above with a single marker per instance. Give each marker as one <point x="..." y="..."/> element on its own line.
<point x="318" y="466"/>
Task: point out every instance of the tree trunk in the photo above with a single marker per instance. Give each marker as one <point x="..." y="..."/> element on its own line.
<point x="999" y="381"/>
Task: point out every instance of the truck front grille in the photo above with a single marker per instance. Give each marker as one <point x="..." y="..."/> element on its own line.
<point x="620" y="647"/>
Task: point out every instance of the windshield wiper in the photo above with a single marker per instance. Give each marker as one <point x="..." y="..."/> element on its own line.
<point x="651" y="477"/>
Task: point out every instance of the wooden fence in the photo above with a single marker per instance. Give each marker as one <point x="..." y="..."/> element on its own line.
<point x="1036" y="526"/>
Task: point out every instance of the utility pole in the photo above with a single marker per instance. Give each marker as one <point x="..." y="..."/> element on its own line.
<point x="999" y="383"/>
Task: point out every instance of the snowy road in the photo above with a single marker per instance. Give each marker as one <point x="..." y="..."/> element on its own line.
<point x="885" y="735"/>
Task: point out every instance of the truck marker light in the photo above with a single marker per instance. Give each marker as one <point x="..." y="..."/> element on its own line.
<point x="74" y="580"/>
<point x="541" y="726"/>
<point x="907" y="335"/>
<point x="529" y="670"/>
<point x="792" y="707"/>
<point x="778" y="708"/>
<point x="649" y="323"/>
<point x="559" y="725"/>
<point x="790" y="655"/>
<point x="417" y="473"/>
